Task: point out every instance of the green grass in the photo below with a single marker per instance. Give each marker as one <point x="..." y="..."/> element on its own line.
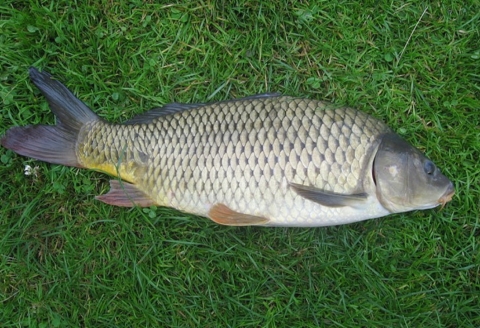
<point x="67" y="260"/>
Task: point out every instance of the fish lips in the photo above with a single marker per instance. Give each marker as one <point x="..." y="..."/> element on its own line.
<point x="444" y="199"/>
<point x="447" y="195"/>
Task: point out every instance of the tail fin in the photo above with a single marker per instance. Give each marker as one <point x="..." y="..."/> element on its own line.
<point x="53" y="143"/>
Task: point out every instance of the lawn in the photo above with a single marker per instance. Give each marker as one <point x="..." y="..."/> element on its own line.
<point x="67" y="260"/>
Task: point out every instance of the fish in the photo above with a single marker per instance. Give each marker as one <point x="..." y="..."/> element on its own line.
<point x="262" y="160"/>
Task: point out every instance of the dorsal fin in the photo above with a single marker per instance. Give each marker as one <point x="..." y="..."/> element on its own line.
<point x="154" y="113"/>
<point x="173" y="108"/>
<point x="257" y="96"/>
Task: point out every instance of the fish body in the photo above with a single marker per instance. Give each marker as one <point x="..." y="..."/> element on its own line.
<point x="262" y="160"/>
<point x="245" y="154"/>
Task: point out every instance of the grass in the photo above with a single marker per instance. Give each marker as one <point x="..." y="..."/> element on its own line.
<point x="67" y="260"/>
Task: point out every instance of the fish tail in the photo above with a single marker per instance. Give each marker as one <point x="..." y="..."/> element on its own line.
<point x="53" y="143"/>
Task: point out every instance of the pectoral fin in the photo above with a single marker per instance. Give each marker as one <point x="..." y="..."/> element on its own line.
<point x="327" y="198"/>
<point x="125" y="194"/>
<point x="222" y="214"/>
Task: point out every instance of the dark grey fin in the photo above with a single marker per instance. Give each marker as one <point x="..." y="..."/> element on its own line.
<point x="253" y="97"/>
<point x="154" y="113"/>
<point x="54" y="143"/>
<point x="173" y="108"/>
<point x="258" y="96"/>
<point x="327" y="198"/>
<point x="125" y="194"/>
<point x="68" y="109"/>
<point x="222" y="214"/>
<point x="42" y="142"/>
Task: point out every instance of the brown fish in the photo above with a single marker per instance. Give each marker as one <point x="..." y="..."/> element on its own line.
<point x="262" y="160"/>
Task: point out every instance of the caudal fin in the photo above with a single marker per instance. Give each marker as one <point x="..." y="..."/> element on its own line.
<point x="52" y="143"/>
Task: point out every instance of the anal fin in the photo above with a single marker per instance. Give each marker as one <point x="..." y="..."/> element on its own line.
<point x="125" y="194"/>
<point x="222" y="214"/>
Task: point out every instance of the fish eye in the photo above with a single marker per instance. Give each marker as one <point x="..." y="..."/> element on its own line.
<point x="429" y="167"/>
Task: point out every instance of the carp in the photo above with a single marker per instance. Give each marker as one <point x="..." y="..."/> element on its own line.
<point x="268" y="159"/>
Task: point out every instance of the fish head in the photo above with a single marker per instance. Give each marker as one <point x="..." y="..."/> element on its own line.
<point x="405" y="179"/>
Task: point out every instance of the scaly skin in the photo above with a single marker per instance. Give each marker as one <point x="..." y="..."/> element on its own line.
<point x="243" y="153"/>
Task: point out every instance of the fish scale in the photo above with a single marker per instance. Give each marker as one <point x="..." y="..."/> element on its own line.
<point x="262" y="160"/>
<point x="239" y="153"/>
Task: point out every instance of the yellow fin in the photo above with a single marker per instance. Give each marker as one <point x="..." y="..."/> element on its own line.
<point x="222" y="214"/>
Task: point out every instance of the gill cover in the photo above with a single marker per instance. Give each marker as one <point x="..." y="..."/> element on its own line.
<point x="406" y="180"/>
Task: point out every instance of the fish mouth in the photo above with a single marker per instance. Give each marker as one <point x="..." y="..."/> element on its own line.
<point x="447" y="196"/>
